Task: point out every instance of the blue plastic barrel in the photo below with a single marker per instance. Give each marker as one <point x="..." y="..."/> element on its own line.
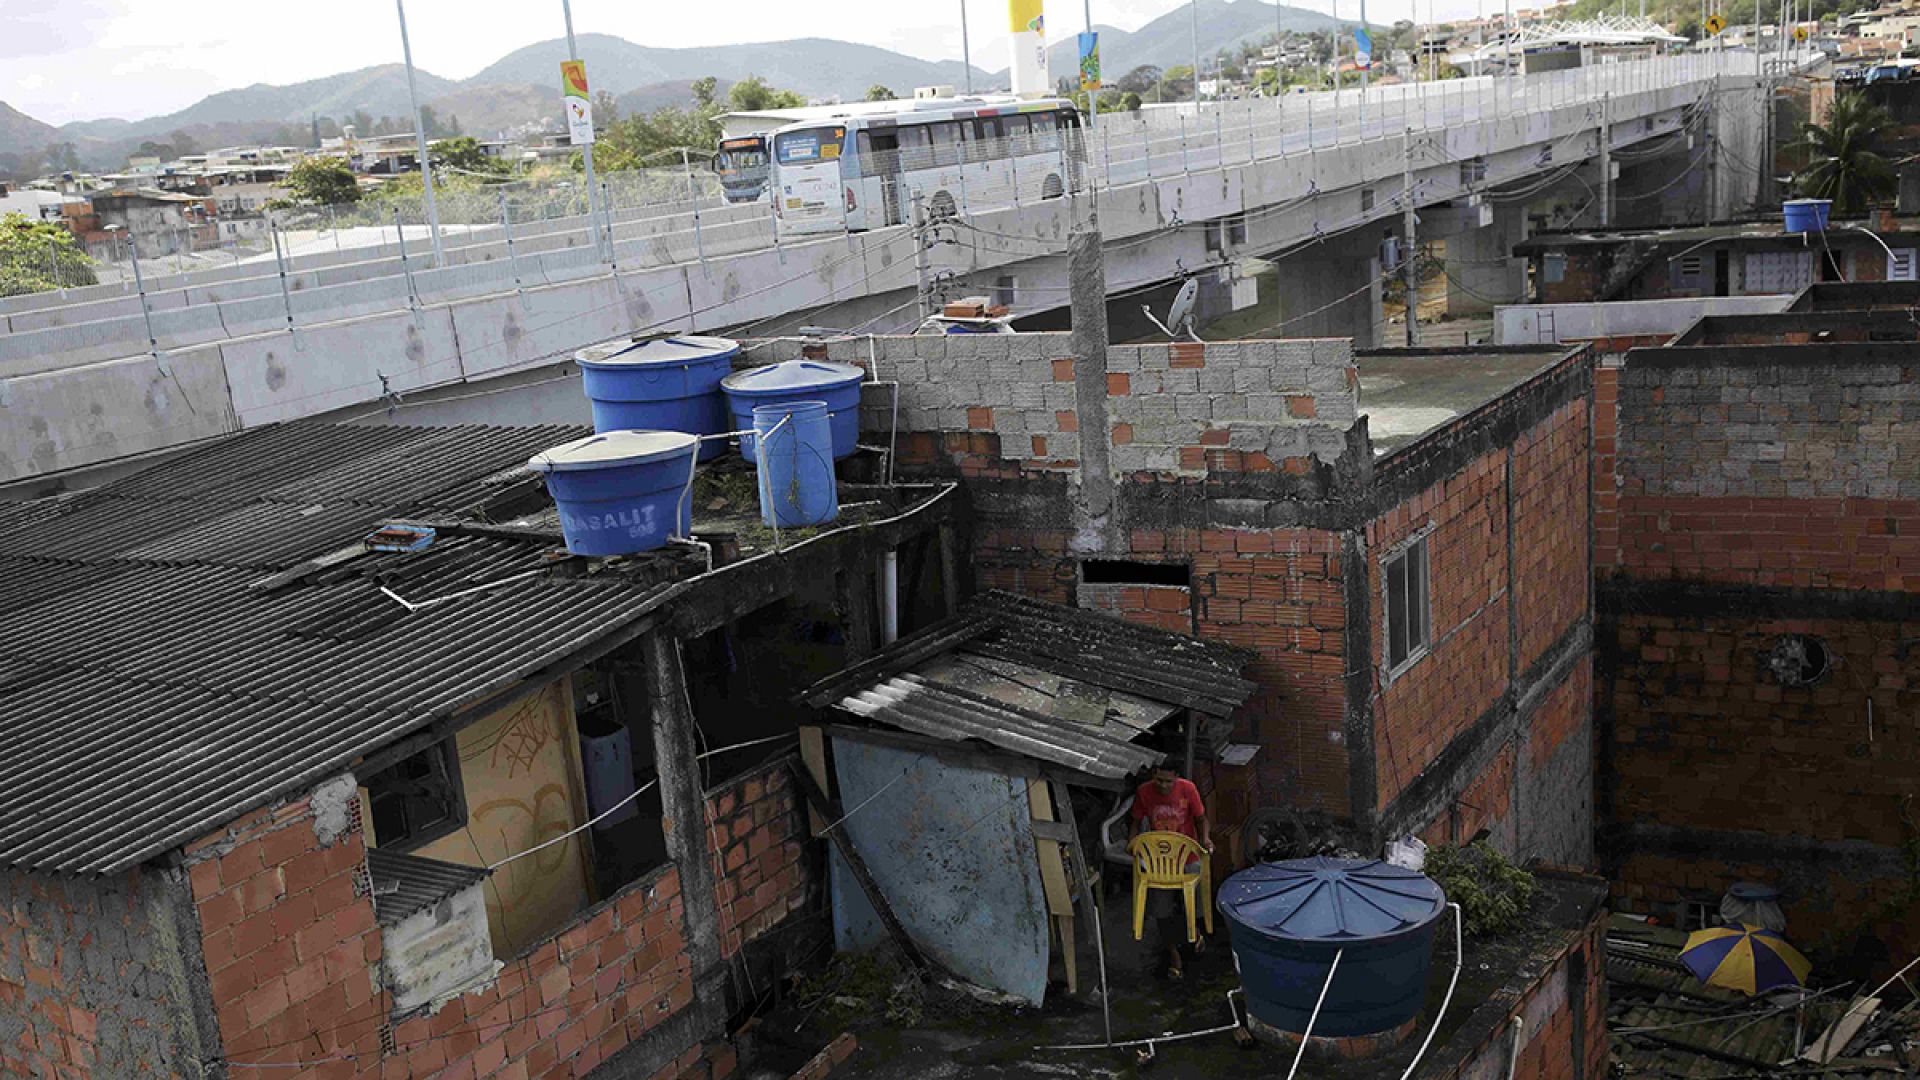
<point x="796" y="464"/>
<point x="618" y="491"/>
<point x="1287" y="920"/>
<point x="1806" y="215"/>
<point x="664" y="384"/>
<point x="798" y="380"/>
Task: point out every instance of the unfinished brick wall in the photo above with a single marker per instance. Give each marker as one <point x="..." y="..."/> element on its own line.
<point x="94" y="980"/>
<point x="292" y="951"/>
<point x="1425" y="707"/>
<point x="1763" y="492"/>
<point x="759" y="834"/>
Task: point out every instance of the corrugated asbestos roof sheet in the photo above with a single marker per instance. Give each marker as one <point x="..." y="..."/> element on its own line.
<point x="151" y="689"/>
<point x="405" y="884"/>
<point x="1048" y="682"/>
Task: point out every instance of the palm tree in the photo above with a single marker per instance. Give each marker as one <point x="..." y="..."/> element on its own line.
<point x="1841" y="162"/>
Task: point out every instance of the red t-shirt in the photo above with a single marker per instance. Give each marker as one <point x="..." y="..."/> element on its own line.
<point x="1177" y="811"/>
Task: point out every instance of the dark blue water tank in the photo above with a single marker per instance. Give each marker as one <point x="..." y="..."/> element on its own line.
<point x="621" y="492"/>
<point x="1288" y="919"/>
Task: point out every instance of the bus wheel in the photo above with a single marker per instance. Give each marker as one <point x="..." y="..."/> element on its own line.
<point x="941" y="207"/>
<point x="1052" y="188"/>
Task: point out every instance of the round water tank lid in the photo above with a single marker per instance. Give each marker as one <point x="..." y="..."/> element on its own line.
<point x="791" y="375"/>
<point x="609" y="448"/>
<point x="1329" y="899"/>
<point x="678" y="349"/>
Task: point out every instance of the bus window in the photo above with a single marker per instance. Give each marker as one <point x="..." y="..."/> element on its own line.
<point x="1046" y="135"/>
<point x="946" y="143"/>
<point x="916" y="147"/>
<point x="809" y="146"/>
<point x="1018" y="133"/>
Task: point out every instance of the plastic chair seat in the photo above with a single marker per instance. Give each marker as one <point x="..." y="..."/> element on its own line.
<point x="1161" y="861"/>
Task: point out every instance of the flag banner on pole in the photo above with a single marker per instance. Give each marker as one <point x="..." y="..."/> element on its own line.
<point x="1362" y="48"/>
<point x="578" y="105"/>
<point x="1089" y="60"/>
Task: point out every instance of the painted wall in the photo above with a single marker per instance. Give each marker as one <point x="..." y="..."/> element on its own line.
<point x="520" y="767"/>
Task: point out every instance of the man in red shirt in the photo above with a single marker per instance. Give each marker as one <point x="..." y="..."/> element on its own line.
<point x="1170" y="803"/>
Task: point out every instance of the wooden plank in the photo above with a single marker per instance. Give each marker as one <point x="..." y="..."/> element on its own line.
<point x="1053" y="879"/>
<point x="813" y="752"/>
<point x="1829" y="1045"/>
<point x="1052" y="830"/>
<point x="818" y="799"/>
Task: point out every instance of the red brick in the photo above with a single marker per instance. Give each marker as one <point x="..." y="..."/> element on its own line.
<point x="1122" y="434"/>
<point x="1119" y="385"/>
<point x="1063" y="369"/>
<point x="1302" y="407"/>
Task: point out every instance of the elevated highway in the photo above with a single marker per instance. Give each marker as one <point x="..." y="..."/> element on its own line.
<point x="1311" y="181"/>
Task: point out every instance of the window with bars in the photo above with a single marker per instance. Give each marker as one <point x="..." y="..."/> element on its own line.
<point x="1408" y="607"/>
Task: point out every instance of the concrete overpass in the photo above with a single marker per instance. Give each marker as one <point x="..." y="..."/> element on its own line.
<point x="1311" y="180"/>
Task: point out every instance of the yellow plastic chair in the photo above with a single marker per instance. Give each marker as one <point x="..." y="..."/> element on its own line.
<point x="1160" y="861"/>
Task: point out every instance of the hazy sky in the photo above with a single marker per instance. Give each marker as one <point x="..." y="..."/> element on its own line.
<point x="64" y="60"/>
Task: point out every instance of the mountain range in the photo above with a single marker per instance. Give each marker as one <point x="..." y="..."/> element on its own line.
<point x="521" y="87"/>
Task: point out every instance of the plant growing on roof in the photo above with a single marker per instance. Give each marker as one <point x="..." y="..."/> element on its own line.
<point x="1842" y="164"/>
<point x="1493" y="894"/>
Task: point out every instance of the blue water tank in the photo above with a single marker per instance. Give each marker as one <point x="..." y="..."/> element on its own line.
<point x="1805" y="215"/>
<point x="663" y="384"/>
<point x="618" y="491"/>
<point x="796" y="464"/>
<point x="838" y="385"/>
<point x="1288" y="919"/>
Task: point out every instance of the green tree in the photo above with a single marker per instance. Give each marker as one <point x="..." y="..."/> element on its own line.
<point x="606" y="108"/>
<point x="36" y="256"/>
<point x="322" y="181"/>
<point x="752" y="94"/>
<point x="1130" y="102"/>
<point x="1842" y="162"/>
<point x="464" y="153"/>
<point x="704" y="90"/>
<point x="1139" y="80"/>
<point x="877" y="92"/>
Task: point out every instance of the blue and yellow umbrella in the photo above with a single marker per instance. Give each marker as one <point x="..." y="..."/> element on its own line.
<point x="1749" y="959"/>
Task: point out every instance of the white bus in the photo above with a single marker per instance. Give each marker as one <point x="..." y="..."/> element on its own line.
<point x="862" y="168"/>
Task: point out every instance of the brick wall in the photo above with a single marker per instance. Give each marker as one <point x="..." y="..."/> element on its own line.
<point x="1763" y="491"/>
<point x="1423" y="709"/>
<point x="93" y="977"/>
<point x="292" y="951"/>
<point x="1163" y="607"/>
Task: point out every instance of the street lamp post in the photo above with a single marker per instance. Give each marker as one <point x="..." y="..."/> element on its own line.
<point x="966" y="47"/>
<point x="420" y="137"/>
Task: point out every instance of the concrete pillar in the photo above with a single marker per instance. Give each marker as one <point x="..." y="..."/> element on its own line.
<point x="1332" y="289"/>
<point x="1481" y="269"/>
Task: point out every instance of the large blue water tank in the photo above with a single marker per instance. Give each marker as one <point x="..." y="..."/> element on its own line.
<point x="663" y="384"/>
<point x="620" y="492"/>
<point x="796" y="464"/>
<point x="838" y="385"/>
<point x="1288" y="919"/>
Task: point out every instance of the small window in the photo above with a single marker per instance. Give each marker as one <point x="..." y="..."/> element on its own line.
<point x="1006" y="290"/>
<point x="1366" y="198"/>
<point x="946" y="143"/>
<point x="1407" y="608"/>
<point x="1690" y="266"/>
<point x="1554" y="266"/>
<point x="1473" y="172"/>
<point x="416" y="799"/>
<point x="1900" y="265"/>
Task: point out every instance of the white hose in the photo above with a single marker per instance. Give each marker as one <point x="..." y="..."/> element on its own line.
<point x="1307" y="1035"/>
<point x="1459" y="958"/>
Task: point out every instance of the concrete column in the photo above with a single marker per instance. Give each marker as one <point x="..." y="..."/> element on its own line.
<point x="1481" y="269"/>
<point x="1332" y="289"/>
<point x="1087" y="279"/>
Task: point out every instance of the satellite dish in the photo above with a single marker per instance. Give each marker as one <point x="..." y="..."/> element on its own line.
<point x="1180" y="315"/>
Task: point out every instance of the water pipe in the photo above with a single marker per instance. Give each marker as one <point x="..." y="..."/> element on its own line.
<point x="1459" y="958"/>
<point x="1307" y="1035"/>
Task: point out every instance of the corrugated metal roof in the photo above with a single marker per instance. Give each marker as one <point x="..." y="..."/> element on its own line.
<point x="1053" y="683"/>
<point x="152" y="687"/>
<point x="405" y="884"/>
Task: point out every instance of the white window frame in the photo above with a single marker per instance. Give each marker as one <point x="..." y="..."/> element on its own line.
<point x="1417" y="550"/>
<point x="1901" y="265"/>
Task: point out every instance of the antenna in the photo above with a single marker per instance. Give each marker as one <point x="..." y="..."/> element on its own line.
<point x="1180" y="315"/>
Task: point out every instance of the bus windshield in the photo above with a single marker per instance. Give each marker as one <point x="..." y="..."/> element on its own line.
<point x="745" y="155"/>
<point x="809" y="145"/>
